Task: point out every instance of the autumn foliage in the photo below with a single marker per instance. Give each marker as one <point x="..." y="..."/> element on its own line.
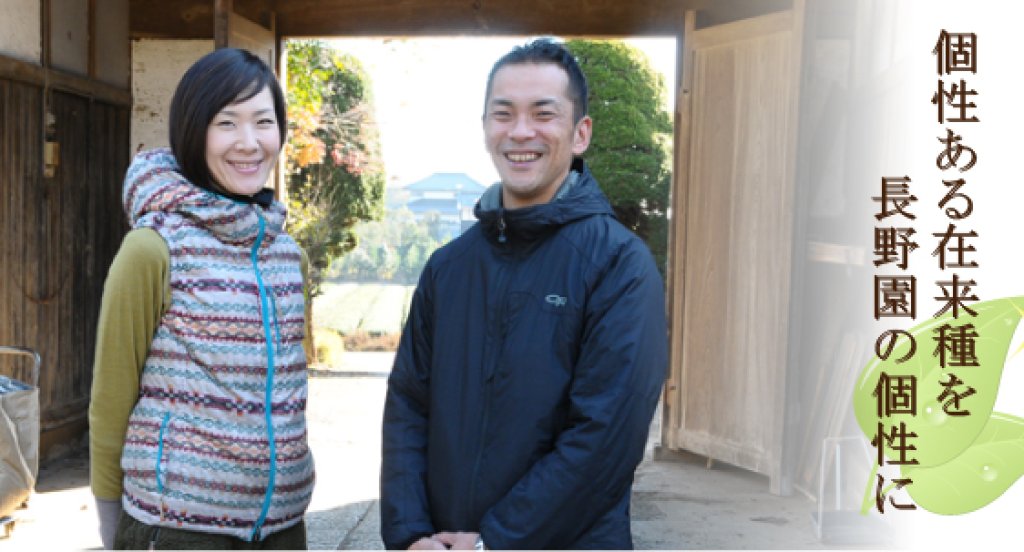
<point x="335" y="173"/>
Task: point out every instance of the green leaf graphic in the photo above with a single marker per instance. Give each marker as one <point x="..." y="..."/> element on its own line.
<point x="941" y="437"/>
<point x="978" y="476"/>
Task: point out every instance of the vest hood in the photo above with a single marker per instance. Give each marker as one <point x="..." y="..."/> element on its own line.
<point x="154" y="188"/>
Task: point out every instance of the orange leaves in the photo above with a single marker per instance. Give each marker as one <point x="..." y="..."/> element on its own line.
<point x="304" y="148"/>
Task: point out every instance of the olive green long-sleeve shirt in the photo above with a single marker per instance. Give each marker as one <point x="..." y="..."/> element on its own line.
<point x="135" y="296"/>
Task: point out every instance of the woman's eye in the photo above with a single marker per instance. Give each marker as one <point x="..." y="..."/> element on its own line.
<point x="225" y="124"/>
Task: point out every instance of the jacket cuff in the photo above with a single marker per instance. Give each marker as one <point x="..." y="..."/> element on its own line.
<point x="402" y="539"/>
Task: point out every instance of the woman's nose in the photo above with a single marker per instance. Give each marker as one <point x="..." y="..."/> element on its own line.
<point x="246" y="138"/>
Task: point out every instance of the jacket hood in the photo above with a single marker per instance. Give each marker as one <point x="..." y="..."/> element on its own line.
<point x="154" y="189"/>
<point x="578" y="197"/>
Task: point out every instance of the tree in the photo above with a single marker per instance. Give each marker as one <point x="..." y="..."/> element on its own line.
<point x="395" y="250"/>
<point x="630" y="151"/>
<point x="335" y="172"/>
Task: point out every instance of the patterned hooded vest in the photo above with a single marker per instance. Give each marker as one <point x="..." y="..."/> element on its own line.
<point x="217" y="441"/>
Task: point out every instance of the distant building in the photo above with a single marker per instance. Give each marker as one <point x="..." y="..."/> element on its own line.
<point x="450" y="195"/>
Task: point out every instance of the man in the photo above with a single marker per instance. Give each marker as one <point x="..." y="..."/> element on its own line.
<point x="533" y="356"/>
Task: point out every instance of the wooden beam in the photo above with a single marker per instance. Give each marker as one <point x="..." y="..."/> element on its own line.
<point x="187" y="19"/>
<point x="222" y="23"/>
<point x="480" y="17"/>
<point x="321" y="18"/>
<point x="28" y="73"/>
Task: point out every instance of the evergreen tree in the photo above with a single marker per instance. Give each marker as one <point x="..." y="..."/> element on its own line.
<point x="630" y="151"/>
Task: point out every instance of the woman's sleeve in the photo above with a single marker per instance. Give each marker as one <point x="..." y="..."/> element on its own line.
<point x="135" y="296"/>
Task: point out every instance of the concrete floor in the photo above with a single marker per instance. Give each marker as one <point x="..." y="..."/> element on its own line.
<point x="678" y="504"/>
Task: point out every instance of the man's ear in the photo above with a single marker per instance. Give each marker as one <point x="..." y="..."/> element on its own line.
<point x="581" y="135"/>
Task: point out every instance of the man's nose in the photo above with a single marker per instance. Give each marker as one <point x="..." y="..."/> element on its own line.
<point x="521" y="129"/>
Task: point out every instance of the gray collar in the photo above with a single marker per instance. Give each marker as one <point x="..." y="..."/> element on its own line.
<point x="570" y="180"/>
<point x="492" y="200"/>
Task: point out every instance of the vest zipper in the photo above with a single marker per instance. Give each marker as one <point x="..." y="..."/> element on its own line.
<point x="268" y="397"/>
<point x="160" y="457"/>
<point x="160" y="478"/>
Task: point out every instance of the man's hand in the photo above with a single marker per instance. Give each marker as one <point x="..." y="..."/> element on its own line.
<point x="458" y="541"/>
<point x="428" y="543"/>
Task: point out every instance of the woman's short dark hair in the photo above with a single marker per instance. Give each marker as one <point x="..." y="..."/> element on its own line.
<point x="220" y="78"/>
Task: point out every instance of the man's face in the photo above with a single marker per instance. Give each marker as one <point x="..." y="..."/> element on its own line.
<point x="529" y="131"/>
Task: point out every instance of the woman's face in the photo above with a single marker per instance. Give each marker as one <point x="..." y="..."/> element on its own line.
<point x="242" y="144"/>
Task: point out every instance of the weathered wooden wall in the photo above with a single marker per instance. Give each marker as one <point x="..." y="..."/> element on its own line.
<point x="59" y="236"/>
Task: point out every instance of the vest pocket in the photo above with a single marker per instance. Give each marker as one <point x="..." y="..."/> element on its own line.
<point x="161" y="474"/>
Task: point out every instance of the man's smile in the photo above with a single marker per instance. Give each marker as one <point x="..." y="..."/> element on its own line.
<point x="522" y="157"/>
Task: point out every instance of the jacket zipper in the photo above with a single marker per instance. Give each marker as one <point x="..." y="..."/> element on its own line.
<point x="490" y="369"/>
<point x="480" y="450"/>
<point x="268" y="405"/>
<point x="501" y="225"/>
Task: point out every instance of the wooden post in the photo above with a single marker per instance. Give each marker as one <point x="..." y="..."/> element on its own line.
<point x="46" y="42"/>
<point x="673" y="404"/>
<point x="222" y="23"/>
<point x="92" y="40"/>
<point x="281" y="51"/>
<point x="781" y="478"/>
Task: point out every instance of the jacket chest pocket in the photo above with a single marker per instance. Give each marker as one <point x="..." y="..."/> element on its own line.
<point x="540" y="334"/>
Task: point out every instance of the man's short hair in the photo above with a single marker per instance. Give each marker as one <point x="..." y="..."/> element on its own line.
<point x="220" y="78"/>
<point x="546" y="50"/>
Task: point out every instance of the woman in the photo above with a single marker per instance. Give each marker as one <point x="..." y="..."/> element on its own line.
<point x="201" y="331"/>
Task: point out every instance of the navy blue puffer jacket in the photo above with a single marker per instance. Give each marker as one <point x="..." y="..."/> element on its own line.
<point x="526" y="378"/>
